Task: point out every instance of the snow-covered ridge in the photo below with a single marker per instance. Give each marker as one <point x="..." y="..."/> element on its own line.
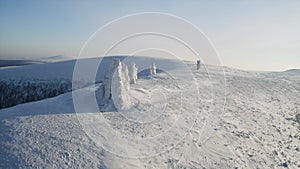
<point x="64" y="69"/>
<point x="27" y="83"/>
<point x="14" y="63"/>
<point x="291" y="72"/>
<point x="257" y="127"/>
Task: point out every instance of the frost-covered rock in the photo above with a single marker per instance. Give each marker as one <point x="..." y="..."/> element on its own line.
<point x="120" y="87"/>
<point x="133" y="73"/>
<point x="198" y="64"/>
<point x="116" y="86"/>
<point x="108" y="78"/>
<point x="125" y="75"/>
<point x="152" y="69"/>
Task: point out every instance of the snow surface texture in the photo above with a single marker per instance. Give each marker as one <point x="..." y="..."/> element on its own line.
<point x="257" y="127"/>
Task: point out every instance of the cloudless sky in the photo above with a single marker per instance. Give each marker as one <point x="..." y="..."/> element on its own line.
<point x="248" y="34"/>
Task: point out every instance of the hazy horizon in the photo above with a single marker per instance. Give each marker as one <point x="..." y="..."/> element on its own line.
<point x="248" y="35"/>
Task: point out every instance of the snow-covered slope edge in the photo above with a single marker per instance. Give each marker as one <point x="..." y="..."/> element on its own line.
<point x="46" y="134"/>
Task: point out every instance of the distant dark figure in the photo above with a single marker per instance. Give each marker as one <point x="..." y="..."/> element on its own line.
<point x="198" y="64"/>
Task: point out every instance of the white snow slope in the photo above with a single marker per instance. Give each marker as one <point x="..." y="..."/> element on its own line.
<point x="256" y="126"/>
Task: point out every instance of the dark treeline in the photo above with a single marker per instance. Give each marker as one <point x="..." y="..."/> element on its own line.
<point x="17" y="92"/>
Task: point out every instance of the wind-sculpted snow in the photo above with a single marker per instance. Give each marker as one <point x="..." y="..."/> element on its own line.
<point x="253" y="124"/>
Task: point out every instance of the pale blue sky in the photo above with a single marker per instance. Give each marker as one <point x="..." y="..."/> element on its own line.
<point x="253" y="34"/>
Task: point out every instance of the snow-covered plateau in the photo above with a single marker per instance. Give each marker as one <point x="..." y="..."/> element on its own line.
<point x="181" y="117"/>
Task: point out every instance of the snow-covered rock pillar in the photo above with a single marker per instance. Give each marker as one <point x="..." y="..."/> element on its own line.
<point x="133" y="73"/>
<point x="198" y="64"/>
<point x="152" y="70"/>
<point x="108" y="78"/>
<point x="120" y="87"/>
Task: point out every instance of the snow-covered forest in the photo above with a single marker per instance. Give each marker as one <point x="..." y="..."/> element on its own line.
<point x="15" y="92"/>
